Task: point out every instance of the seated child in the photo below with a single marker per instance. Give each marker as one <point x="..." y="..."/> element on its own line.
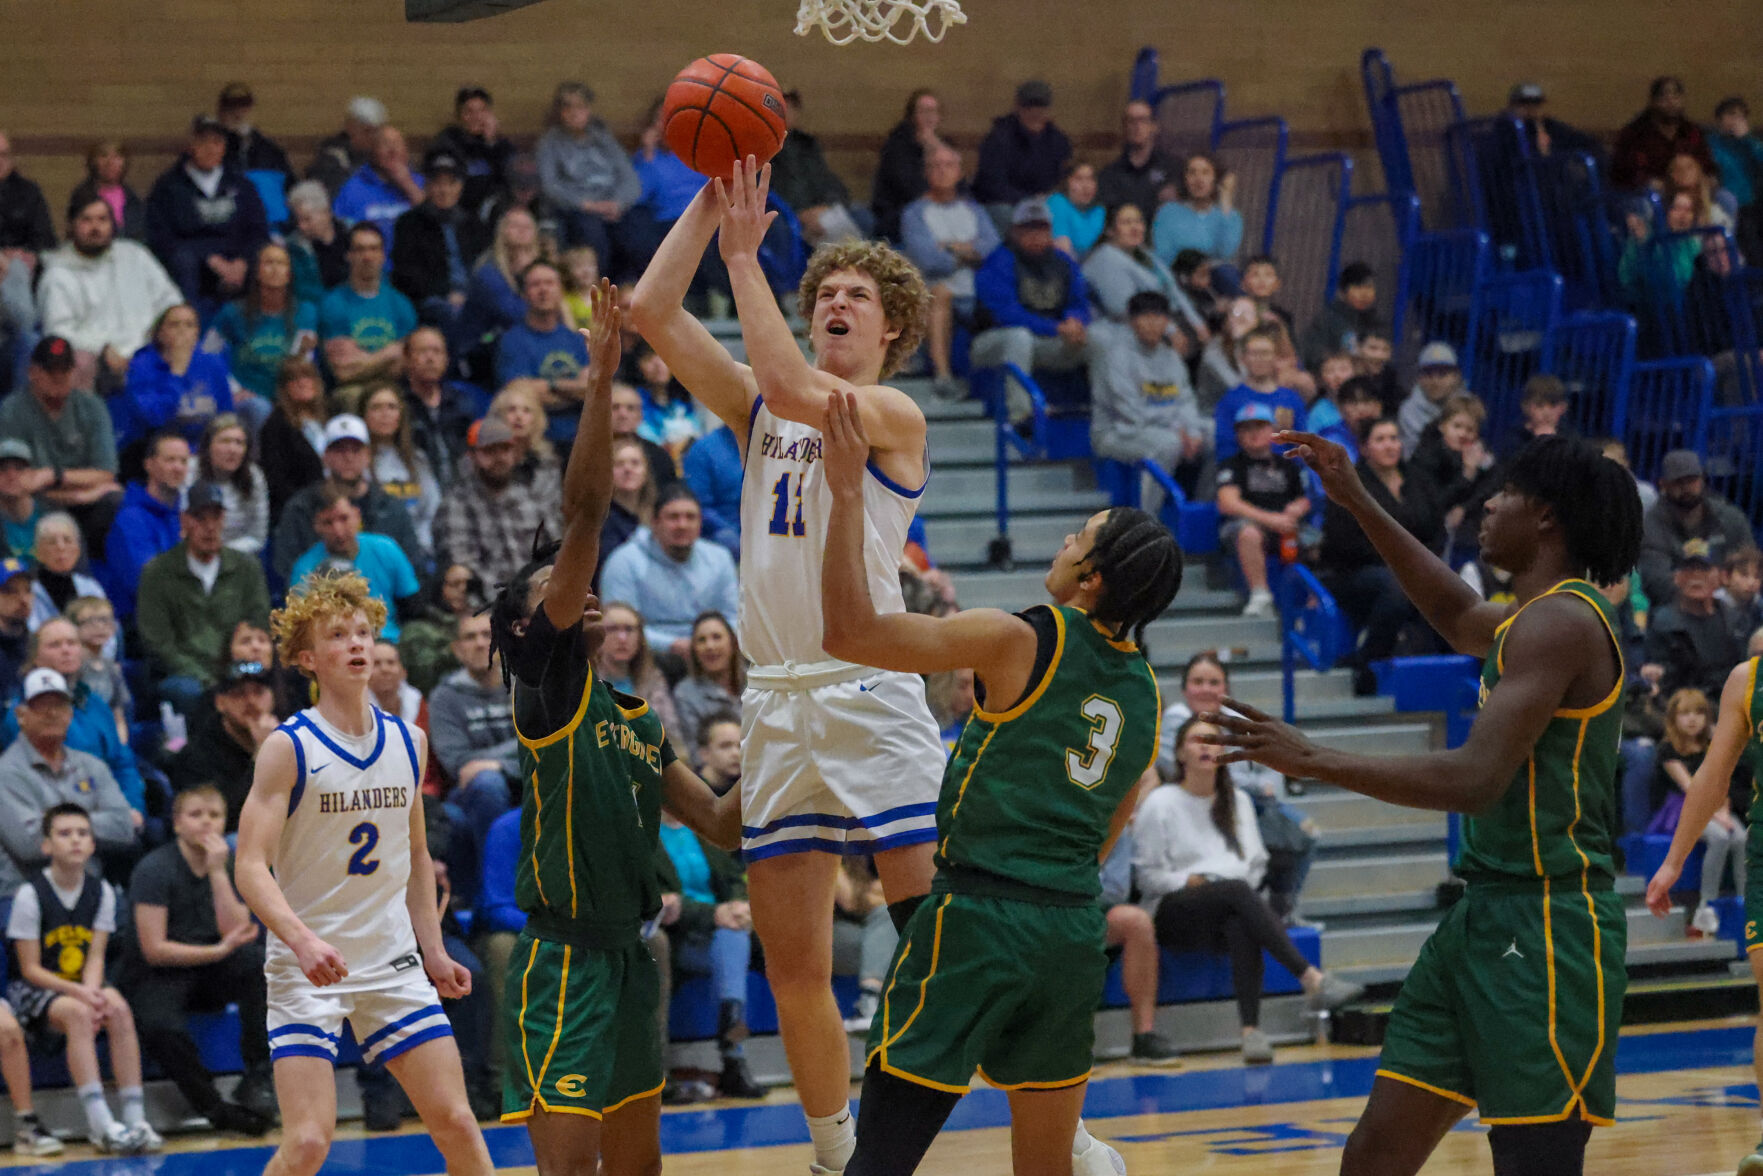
<point x="1261" y="503"/>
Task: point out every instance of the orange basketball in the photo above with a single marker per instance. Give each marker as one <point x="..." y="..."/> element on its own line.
<point x="722" y="108"/>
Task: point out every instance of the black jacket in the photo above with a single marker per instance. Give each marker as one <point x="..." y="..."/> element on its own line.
<point x="1345" y="549"/>
<point x="134" y="209"/>
<point x="184" y="226"/>
<point x="24" y="215"/>
<point x="212" y="756"/>
<point x="419" y="250"/>
<point x="289" y="462"/>
<point x="440" y="434"/>
<point x="1014" y="164"/>
<point x="258" y="153"/>
<point x="801" y="176"/>
<point x="899" y="179"/>
<point x="486" y="164"/>
<point x="1123" y="183"/>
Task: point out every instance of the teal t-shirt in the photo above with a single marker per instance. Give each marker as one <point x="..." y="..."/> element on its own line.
<point x="255" y="350"/>
<point x="390" y="578"/>
<point x="373" y="323"/>
<point x="689" y="862"/>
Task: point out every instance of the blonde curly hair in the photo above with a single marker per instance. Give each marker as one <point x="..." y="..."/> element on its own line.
<point x="321" y="597"/>
<point x="905" y="298"/>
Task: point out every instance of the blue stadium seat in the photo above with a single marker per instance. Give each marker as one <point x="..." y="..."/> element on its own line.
<point x="1189" y="976"/>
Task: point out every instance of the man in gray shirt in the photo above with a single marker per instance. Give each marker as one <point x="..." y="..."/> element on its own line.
<point x="947" y="236"/>
<point x="1141" y="402"/>
<point x="471" y="732"/>
<point x="40" y="771"/>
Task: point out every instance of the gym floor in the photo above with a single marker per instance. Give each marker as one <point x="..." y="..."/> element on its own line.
<point x="1213" y="1116"/>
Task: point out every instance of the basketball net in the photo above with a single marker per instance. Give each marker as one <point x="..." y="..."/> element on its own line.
<point x="899" y="21"/>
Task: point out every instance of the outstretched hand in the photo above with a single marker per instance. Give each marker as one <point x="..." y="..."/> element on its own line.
<point x="1254" y="735"/>
<point x="1331" y="461"/>
<point x="744" y="218"/>
<point x="845" y="446"/>
<point x="605" y="335"/>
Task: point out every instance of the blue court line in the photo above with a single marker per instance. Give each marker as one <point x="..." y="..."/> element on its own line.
<point x="774" y="1125"/>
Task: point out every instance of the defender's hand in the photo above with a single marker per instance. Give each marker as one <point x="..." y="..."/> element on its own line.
<point x="846" y="446"/>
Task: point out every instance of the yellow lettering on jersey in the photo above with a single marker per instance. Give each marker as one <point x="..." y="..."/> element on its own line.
<point x="572" y="1086"/>
<point x="73" y="942"/>
<point x="364" y="798"/>
<point x="621" y="735"/>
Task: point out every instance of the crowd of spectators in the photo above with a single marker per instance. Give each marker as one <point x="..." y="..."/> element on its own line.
<point x="251" y="373"/>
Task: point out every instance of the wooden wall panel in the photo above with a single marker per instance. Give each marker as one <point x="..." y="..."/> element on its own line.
<point x="74" y="69"/>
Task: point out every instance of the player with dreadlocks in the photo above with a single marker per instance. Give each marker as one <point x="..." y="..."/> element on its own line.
<point x="1515" y="1001"/>
<point x="584" y="1070"/>
<point x="1001" y="969"/>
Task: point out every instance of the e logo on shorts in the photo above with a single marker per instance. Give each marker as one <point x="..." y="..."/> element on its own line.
<point x="572" y="1086"/>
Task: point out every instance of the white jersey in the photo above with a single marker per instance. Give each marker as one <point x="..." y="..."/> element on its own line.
<point x="344" y="859"/>
<point x="785" y="505"/>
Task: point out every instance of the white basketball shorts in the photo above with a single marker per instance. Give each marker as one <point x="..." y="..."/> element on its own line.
<point x="837" y="759"/>
<point x="396" y="1015"/>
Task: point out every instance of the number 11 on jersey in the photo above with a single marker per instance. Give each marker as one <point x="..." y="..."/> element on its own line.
<point x="780" y="511"/>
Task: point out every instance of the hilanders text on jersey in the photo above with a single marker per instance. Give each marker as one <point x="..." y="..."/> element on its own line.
<point x="363" y="798"/>
<point x="803" y="449"/>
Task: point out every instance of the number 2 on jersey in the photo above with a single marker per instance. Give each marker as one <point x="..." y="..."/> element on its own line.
<point x="780" y="511"/>
<point x="1090" y="768"/>
<point x="367" y="837"/>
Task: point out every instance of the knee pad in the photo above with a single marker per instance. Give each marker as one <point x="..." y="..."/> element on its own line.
<point x="1540" y="1149"/>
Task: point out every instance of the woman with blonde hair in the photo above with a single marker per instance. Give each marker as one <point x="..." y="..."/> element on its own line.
<point x="396" y="465"/>
<point x="492" y="301"/>
<point x="633" y="497"/>
<point x="523" y="411"/>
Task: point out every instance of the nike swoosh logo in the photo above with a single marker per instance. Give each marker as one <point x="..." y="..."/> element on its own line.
<point x="319" y="768"/>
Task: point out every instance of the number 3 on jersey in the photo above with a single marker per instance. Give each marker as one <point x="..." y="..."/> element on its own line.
<point x="780" y="511"/>
<point x="1089" y="768"/>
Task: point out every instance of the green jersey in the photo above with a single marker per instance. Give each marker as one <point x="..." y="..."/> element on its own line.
<point x="1754" y="741"/>
<point x="590" y="800"/>
<point x="1556" y="817"/>
<point x="1030" y="791"/>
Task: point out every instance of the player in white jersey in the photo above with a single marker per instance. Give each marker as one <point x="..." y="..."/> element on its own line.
<point x="333" y="858"/>
<point x="835" y="758"/>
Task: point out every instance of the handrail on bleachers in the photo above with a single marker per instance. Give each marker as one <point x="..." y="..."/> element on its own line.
<point x="1510" y="316"/>
<point x="1493" y="187"/>
<point x="1404" y="117"/>
<point x="1439" y="282"/>
<point x="1668" y="407"/>
<point x="1592" y="352"/>
<point x="1311" y="626"/>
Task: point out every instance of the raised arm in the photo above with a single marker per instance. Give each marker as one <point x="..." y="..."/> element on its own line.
<point x="999" y="647"/>
<point x="1449" y="605"/>
<point x="1707" y="792"/>
<point x="1546" y="651"/>
<point x="587" y="480"/>
<point x="658" y="313"/>
<point x="793" y="388"/>
<point x="260" y="831"/>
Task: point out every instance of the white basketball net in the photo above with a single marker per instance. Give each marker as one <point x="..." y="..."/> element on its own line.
<point x="899" y="21"/>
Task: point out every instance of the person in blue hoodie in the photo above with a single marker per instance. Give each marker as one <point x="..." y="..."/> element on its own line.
<point x="713" y="470"/>
<point x="172" y="383"/>
<point x="382" y="189"/>
<point x="671" y="575"/>
<point x="147" y="522"/>
<point x="1033" y="301"/>
<point x="93" y="730"/>
<point x="205" y="220"/>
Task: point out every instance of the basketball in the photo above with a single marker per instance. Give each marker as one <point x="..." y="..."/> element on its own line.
<point x="722" y="108"/>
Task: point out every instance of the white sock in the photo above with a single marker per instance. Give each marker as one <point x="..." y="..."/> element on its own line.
<point x="1080" y="1143"/>
<point x="98" y="1118"/>
<point x="835" y="1138"/>
<point x="134" y="1105"/>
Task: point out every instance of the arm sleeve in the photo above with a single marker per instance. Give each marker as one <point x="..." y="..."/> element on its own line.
<point x="55" y="305"/>
<point x="1077" y="301"/>
<point x="991" y="178"/>
<point x="20" y="824"/>
<point x="551" y="181"/>
<point x="106" y="919"/>
<point x="618" y="579"/>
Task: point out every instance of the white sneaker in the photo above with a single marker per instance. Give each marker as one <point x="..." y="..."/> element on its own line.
<point x="29" y="1139"/>
<point x="1260" y="604"/>
<point x="1706" y="920"/>
<point x="860" y="1018"/>
<point x="142" y="1138"/>
<point x="817" y="1170"/>
<point x="1098" y="1159"/>
<point x="116" y="1141"/>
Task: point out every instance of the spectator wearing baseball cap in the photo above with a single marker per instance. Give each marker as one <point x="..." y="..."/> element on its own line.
<point x="70" y="438"/>
<point x="488" y="520"/>
<point x="249" y="149"/>
<point x="147" y="523"/>
<point x="1261" y="502"/>
<point x="1688" y="519"/>
<point x="347" y="458"/>
<point x="1692" y="643"/>
<point x="1023" y="154"/>
<point x="205" y="220"/>
<point x="192" y="596"/>
<point x="435" y="244"/>
<point x="224" y="738"/>
<point x="475" y="138"/>
<point x="19" y="508"/>
<point x="1031" y="302"/>
<point x="1440" y="377"/>
<point x="40" y="771"/>
<point x="17" y="588"/>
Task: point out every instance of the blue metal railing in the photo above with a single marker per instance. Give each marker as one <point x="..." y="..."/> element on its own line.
<point x="1312" y="627"/>
<point x="1509" y="316"/>
<point x="1410" y="124"/>
<point x="1145" y="67"/>
<point x="1188" y="116"/>
<point x="1439" y="281"/>
<point x="1493" y="188"/>
<point x="1049" y="436"/>
<point x="1378" y="231"/>
<point x="1593" y="354"/>
<point x="1254" y="150"/>
<point x="1668" y="407"/>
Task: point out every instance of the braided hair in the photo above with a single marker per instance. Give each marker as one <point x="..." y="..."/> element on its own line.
<point x="508" y="609"/>
<point x="1594" y="501"/>
<point x="1140" y="564"/>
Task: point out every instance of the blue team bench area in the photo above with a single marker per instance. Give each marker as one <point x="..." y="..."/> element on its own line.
<point x="1186" y="977"/>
